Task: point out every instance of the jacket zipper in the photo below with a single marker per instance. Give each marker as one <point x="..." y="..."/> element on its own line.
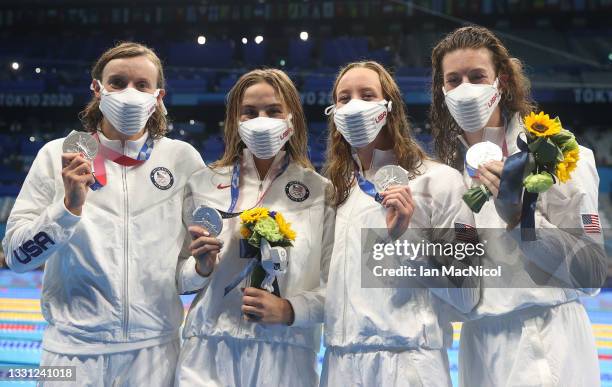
<point x="261" y="181"/>
<point x="126" y="306"/>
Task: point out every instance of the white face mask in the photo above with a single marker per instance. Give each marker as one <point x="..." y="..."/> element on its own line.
<point x="360" y="121"/>
<point x="265" y="136"/>
<point x="471" y="105"/>
<point x="128" y="110"/>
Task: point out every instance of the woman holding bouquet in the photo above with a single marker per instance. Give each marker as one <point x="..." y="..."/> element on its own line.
<point x="387" y="335"/>
<point x="237" y="334"/>
<point x="529" y="327"/>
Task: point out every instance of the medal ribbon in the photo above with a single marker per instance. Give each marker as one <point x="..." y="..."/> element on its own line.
<point x="511" y="189"/>
<point x="367" y="186"/>
<point x="106" y="153"/>
<point x="235" y="188"/>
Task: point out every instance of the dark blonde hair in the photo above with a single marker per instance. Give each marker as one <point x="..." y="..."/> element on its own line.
<point x="91" y="116"/>
<point x="514" y="87"/>
<point x="340" y="166"/>
<point x="290" y="99"/>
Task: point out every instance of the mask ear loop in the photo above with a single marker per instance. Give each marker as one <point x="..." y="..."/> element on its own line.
<point x="92" y="88"/>
<point x="389" y="106"/>
<point x="161" y="103"/>
<point x="329" y="110"/>
<point x="289" y="120"/>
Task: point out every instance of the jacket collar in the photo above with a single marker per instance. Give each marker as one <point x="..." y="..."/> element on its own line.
<point x="130" y="149"/>
<point x="249" y="170"/>
<point x="513" y="130"/>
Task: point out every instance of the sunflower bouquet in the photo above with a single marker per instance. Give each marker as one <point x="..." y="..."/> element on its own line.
<point x="555" y="152"/>
<point x="550" y="154"/>
<point x="258" y="223"/>
<point x="265" y="235"/>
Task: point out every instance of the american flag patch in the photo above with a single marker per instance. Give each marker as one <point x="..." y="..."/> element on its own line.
<point x="465" y="232"/>
<point x="590" y="222"/>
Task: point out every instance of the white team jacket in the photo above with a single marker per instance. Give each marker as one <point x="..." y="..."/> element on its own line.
<point x="555" y="255"/>
<point x="358" y="317"/>
<point x="299" y="194"/>
<point x="110" y="276"/>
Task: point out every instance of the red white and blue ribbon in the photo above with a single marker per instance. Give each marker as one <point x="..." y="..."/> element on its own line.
<point x="106" y="153"/>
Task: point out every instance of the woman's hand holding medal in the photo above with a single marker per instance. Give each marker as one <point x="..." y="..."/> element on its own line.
<point x="400" y="207"/>
<point x="79" y="149"/>
<point x="391" y="181"/>
<point x="204" y="248"/>
<point x="77" y="177"/>
<point x="490" y="174"/>
<point x="207" y="224"/>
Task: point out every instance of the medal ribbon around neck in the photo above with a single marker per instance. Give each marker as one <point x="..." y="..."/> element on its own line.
<point x="106" y="153"/>
<point x="235" y="188"/>
<point x="367" y="186"/>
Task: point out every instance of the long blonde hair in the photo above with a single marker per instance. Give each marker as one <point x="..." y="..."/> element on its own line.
<point x="514" y="86"/>
<point x="290" y="99"/>
<point x="339" y="166"/>
<point x="91" y="116"/>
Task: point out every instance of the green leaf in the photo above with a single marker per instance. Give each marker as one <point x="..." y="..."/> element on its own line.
<point x="476" y="197"/>
<point x="569" y="145"/>
<point x="535" y="144"/>
<point x="282" y="243"/>
<point x="559" y="157"/>
<point x="254" y="239"/>
<point x="561" y="138"/>
<point x="530" y="166"/>
<point x="546" y="152"/>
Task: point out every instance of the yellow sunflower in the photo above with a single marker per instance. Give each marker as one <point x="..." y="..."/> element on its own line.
<point x="542" y="125"/>
<point x="245" y="232"/>
<point x="253" y="215"/>
<point x="284" y="227"/>
<point x="565" y="167"/>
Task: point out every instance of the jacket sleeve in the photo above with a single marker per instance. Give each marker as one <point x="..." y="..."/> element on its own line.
<point x="450" y="218"/>
<point x="569" y="245"/>
<point x="39" y="224"/>
<point x="188" y="281"/>
<point x="308" y="306"/>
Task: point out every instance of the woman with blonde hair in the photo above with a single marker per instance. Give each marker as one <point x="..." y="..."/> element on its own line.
<point x="109" y="291"/>
<point x="387" y="333"/>
<point x="529" y="328"/>
<point x="236" y="334"/>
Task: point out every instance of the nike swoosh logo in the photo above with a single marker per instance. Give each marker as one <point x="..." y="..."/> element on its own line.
<point x="223" y="186"/>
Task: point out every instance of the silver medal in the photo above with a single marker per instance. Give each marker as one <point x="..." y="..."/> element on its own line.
<point x="208" y="218"/>
<point x="390" y="175"/>
<point x="483" y="152"/>
<point x="81" y="142"/>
